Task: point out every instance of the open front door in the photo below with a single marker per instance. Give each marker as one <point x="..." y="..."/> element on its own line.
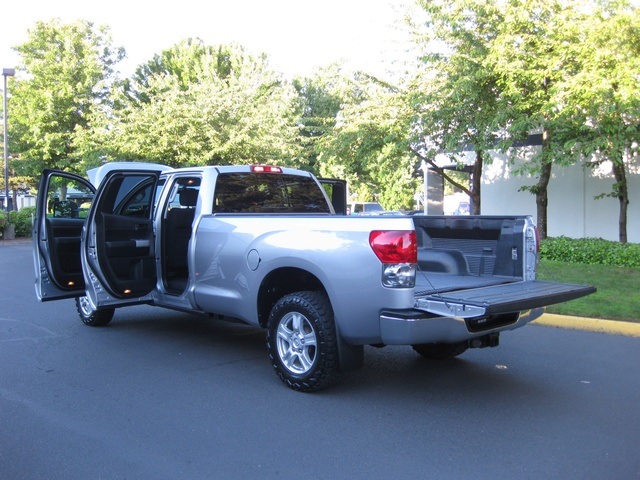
<point x="62" y="207"/>
<point x="119" y="242"/>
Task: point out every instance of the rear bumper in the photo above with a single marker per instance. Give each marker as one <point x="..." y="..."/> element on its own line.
<point x="412" y="327"/>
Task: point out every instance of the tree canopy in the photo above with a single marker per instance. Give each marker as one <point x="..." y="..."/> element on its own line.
<point x="459" y="105"/>
<point x="66" y="73"/>
<point x="490" y="74"/>
<point x="199" y="105"/>
<point x="369" y="143"/>
<point x="497" y="72"/>
<point x="600" y="102"/>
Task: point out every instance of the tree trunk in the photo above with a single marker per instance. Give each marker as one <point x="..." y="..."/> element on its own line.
<point x="441" y="172"/>
<point x="542" y="197"/>
<point x="476" y="182"/>
<point x="14" y="201"/>
<point x="622" y="191"/>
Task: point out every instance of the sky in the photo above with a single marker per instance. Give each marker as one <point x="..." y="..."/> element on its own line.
<point x="298" y="36"/>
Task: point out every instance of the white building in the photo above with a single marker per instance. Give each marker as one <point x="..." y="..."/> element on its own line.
<point x="24" y="200"/>
<point x="572" y="210"/>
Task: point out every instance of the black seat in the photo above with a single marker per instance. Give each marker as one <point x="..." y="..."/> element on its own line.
<point x="188" y="197"/>
<point x="177" y="235"/>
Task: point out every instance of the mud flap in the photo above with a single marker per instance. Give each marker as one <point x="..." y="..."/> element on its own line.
<point x="351" y="356"/>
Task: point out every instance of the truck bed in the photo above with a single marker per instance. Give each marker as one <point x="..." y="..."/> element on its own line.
<point x="460" y="253"/>
<point x="475" y="266"/>
<point x="436" y="282"/>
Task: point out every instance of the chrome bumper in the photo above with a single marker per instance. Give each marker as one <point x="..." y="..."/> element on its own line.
<point x="413" y="327"/>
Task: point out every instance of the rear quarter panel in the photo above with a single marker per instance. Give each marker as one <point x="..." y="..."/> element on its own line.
<point x="233" y="255"/>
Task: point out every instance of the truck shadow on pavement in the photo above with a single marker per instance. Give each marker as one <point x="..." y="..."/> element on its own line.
<point x="397" y="371"/>
<point x="474" y="376"/>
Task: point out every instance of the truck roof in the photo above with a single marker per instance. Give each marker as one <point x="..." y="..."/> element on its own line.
<point x="97" y="174"/>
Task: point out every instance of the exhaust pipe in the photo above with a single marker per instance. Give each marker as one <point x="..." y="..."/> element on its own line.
<point x="490" y="340"/>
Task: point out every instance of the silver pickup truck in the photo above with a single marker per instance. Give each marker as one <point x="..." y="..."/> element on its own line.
<point x="273" y="247"/>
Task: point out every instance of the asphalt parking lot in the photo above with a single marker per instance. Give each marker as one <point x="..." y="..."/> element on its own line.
<point x="164" y="395"/>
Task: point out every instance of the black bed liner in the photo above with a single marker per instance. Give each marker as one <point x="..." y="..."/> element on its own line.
<point x="428" y="283"/>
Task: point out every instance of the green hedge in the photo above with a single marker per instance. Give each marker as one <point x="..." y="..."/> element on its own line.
<point x="591" y="251"/>
<point x="3" y="219"/>
<point x="22" y="221"/>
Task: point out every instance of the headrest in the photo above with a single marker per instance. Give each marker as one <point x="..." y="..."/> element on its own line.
<point x="188" y="197"/>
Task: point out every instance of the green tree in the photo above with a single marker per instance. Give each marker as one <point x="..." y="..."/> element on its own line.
<point x="320" y="100"/>
<point x="531" y="57"/>
<point x="600" y="103"/>
<point x="458" y="102"/>
<point x="370" y="144"/>
<point x="512" y="68"/>
<point x="64" y="75"/>
<point x="188" y="62"/>
<point x="198" y="105"/>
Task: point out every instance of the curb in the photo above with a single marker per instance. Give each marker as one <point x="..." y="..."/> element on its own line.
<point x="15" y="241"/>
<point x="611" y="327"/>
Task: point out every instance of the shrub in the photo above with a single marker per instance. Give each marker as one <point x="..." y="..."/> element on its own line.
<point x="3" y="220"/>
<point x="591" y="251"/>
<point x="22" y="219"/>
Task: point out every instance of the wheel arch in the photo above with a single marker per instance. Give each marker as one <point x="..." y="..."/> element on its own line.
<point x="283" y="281"/>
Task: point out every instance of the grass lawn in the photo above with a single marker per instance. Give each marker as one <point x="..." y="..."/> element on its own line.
<point x="617" y="298"/>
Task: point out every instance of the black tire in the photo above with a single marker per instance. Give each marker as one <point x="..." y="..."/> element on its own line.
<point x="302" y="343"/>
<point x="440" y="351"/>
<point x="91" y="317"/>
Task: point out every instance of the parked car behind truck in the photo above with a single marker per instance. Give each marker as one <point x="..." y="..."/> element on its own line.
<point x="365" y="208"/>
<point x="263" y="245"/>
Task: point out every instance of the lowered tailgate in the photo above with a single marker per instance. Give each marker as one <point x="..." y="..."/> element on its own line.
<point x="499" y="299"/>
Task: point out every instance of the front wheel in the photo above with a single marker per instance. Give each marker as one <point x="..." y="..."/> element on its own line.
<point x="91" y="317"/>
<point x="440" y="351"/>
<point x="302" y="343"/>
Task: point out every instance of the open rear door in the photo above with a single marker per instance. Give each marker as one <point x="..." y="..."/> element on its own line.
<point x="119" y="242"/>
<point x="62" y="208"/>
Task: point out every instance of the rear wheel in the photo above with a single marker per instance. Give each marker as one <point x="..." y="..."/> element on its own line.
<point x="439" y="351"/>
<point x="302" y="343"/>
<point x="91" y="317"/>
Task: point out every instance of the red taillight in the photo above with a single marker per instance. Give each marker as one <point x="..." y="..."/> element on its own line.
<point x="394" y="246"/>
<point x="265" y="169"/>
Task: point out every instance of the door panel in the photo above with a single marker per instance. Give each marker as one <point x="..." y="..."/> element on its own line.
<point x="126" y="254"/>
<point x="62" y="207"/>
<point x="177" y="220"/>
<point x="120" y="242"/>
<point x="64" y="239"/>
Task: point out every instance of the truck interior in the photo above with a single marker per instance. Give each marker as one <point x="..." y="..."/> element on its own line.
<point x="178" y="217"/>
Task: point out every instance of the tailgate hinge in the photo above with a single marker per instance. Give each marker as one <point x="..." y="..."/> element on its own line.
<point x="448" y="309"/>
